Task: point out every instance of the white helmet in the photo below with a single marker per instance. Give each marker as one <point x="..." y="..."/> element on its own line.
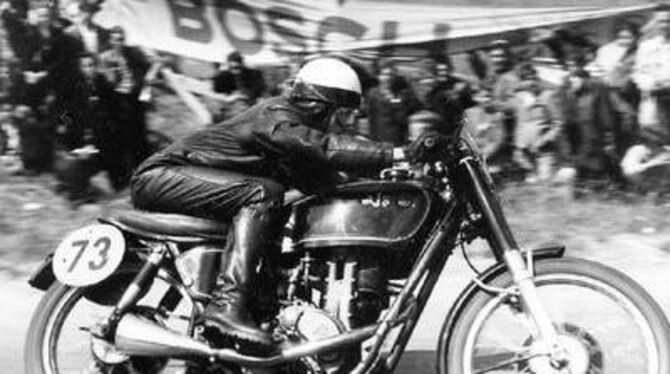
<point x="328" y="80"/>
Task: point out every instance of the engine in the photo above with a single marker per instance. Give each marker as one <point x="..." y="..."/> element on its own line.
<point x="334" y="291"/>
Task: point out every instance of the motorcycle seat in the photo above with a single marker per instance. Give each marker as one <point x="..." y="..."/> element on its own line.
<point x="167" y="226"/>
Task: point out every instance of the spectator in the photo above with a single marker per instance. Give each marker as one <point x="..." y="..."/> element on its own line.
<point x="6" y="83"/>
<point x="244" y="84"/>
<point x="93" y="37"/>
<point x="449" y="97"/>
<point x="486" y="127"/>
<point x="125" y="68"/>
<point x="36" y="142"/>
<point x="614" y="62"/>
<point x="47" y="67"/>
<point x="59" y="57"/>
<point x="22" y="36"/>
<point x="538" y="125"/>
<point x="11" y="83"/>
<point x="503" y="81"/>
<point x="94" y="98"/>
<point x="651" y="73"/>
<point x="389" y="105"/>
<point x="286" y="74"/>
<point x="594" y="129"/>
<point x="92" y="128"/>
<point x="59" y="73"/>
<point x="29" y="41"/>
<point x="101" y="105"/>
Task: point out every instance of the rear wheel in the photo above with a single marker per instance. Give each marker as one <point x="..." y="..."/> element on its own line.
<point x="606" y="323"/>
<point x="58" y="341"/>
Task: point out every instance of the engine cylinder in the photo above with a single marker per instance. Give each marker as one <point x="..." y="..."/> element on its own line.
<point x="355" y="288"/>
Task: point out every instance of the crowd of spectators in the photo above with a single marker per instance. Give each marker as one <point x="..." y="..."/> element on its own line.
<point x="74" y="92"/>
<point x="604" y="125"/>
<point x="74" y="85"/>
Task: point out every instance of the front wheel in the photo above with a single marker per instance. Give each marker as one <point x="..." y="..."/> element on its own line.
<point x="606" y="323"/>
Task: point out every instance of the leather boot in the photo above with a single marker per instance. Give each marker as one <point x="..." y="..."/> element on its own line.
<point x="251" y="233"/>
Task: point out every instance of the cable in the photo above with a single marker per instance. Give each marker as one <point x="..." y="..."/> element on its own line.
<point x="467" y="259"/>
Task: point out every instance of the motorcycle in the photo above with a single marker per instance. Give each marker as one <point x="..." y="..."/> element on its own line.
<point x="356" y="268"/>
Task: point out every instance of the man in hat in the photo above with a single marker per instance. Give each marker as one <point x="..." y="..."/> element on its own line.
<point x="94" y="37"/>
<point x="243" y="84"/>
<point x="125" y="68"/>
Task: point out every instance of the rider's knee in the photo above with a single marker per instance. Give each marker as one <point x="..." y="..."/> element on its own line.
<point x="266" y="192"/>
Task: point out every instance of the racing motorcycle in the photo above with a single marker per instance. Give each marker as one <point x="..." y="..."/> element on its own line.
<point x="356" y="268"/>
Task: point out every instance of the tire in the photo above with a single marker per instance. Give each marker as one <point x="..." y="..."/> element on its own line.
<point x="51" y="320"/>
<point x="459" y="352"/>
<point x="52" y="302"/>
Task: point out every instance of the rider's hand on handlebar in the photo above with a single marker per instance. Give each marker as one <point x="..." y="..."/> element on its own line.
<point x="430" y="146"/>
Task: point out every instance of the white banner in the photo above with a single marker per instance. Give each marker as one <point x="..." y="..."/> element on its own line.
<point x="265" y="31"/>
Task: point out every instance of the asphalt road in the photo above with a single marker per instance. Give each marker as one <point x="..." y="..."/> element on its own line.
<point x="636" y="255"/>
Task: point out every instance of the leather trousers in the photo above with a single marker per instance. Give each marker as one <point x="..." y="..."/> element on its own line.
<point x="253" y="203"/>
<point x="202" y="191"/>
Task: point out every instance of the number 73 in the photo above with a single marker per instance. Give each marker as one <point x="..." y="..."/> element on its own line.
<point x="102" y="246"/>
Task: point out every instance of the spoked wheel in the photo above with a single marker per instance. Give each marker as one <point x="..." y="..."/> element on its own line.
<point x="59" y="341"/>
<point x="605" y="321"/>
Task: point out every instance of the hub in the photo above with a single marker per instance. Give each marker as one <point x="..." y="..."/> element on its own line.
<point x="582" y="354"/>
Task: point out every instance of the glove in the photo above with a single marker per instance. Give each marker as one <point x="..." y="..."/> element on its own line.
<point x="430" y="146"/>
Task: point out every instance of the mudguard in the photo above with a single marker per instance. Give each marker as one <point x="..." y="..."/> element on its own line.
<point x="468" y="293"/>
<point x="106" y="292"/>
<point x="43" y="277"/>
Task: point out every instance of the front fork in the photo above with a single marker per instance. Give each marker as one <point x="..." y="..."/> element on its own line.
<point x="545" y="333"/>
<point x="506" y="249"/>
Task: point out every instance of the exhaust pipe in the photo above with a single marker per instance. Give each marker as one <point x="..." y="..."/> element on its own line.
<point x="301" y="350"/>
<point x="142" y="337"/>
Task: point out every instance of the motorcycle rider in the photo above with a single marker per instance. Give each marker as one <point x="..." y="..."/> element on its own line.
<point x="241" y="167"/>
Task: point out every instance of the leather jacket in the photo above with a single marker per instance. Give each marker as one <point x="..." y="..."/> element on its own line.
<point x="275" y="139"/>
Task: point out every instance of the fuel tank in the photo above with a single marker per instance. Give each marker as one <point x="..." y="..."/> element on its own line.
<point x="381" y="214"/>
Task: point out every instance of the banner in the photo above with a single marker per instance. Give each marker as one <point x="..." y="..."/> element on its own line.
<point x="268" y="31"/>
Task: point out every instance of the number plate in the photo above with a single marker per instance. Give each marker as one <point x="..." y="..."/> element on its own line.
<point x="89" y="255"/>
